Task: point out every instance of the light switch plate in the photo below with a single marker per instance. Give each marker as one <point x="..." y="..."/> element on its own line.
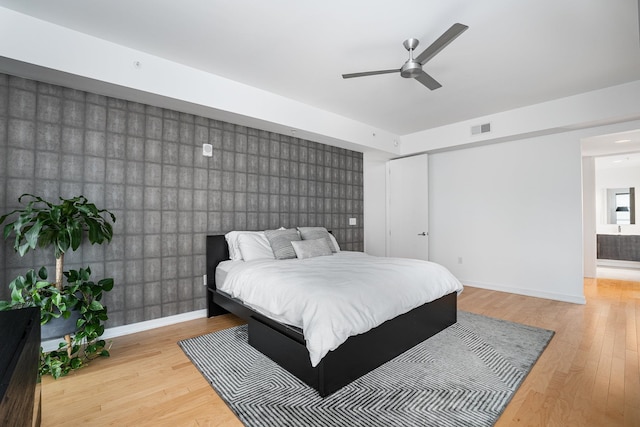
<point x="352" y="221"/>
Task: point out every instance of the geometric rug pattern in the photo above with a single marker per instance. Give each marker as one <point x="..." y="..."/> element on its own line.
<point x="463" y="376"/>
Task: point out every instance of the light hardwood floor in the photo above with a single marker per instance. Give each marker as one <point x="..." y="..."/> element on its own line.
<point x="589" y="374"/>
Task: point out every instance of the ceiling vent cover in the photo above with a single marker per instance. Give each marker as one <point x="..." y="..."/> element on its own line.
<point x="478" y="129"/>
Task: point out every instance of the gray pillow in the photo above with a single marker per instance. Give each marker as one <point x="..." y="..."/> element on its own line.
<point x="311" y="248"/>
<point x="313" y="233"/>
<point x="280" y="241"/>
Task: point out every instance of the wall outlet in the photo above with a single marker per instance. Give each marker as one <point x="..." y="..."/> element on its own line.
<point x="352" y="221"/>
<point x="204" y="279"/>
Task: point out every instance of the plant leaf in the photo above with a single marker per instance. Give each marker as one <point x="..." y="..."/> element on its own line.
<point x="41" y="284"/>
<point x="95" y="306"/>
<point x="94" y="231"/>
<point x="75" y="232"/>
<point x="42" y="273"/>
<point x="106" y="283"/>
<point x="76" y="363"/>
<point x="32" y="235"/>
<point x="22" y="249"/>
<point x="64" y="240"/>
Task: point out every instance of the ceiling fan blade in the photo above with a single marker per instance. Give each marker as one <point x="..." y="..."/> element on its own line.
<point x="447" y="37"/>
<point x="428" y="81"/>
<point x="369" y="73"/>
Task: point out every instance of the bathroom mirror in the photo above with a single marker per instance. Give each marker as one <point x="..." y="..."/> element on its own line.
<point x="621" y="206"/>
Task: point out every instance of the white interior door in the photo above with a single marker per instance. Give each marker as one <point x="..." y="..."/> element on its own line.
<point x="408" y="210"/>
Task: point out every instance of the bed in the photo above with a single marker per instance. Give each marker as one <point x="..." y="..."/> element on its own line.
<point x="286" y="345"/>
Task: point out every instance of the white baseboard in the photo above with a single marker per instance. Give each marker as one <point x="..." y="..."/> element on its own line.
<point x="118" y="331"/>
<point x="617" y="263"/>
<point x="575" y="299"/>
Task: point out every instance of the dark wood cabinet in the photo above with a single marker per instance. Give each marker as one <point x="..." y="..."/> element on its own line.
<point x="621" y="247"/>
<point x="19" y="361"/>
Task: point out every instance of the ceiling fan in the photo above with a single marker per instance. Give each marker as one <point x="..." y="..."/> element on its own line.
<point x="413" y="67"/>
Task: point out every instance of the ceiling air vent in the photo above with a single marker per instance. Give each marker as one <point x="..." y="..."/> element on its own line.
<point x="483" y="128"/>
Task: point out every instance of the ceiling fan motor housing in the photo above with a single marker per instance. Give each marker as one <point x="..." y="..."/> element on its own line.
<point x="411" y="69"/>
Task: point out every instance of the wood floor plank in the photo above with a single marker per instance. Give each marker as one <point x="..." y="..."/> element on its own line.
<point x="589" y="375"/>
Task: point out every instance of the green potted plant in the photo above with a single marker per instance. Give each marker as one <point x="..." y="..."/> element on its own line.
<point x="62" y="226"/>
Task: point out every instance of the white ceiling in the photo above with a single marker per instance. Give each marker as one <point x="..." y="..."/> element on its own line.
<point x="515" y="53"/>
<point x="616" y="150"/>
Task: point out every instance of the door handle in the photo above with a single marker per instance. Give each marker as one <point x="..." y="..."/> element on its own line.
<point x="422" y="234"/>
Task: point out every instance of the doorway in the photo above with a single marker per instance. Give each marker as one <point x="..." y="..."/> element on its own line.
<point x="611" y="164"/>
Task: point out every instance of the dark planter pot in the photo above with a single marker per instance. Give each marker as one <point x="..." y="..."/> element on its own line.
<point x="58" y="328"/>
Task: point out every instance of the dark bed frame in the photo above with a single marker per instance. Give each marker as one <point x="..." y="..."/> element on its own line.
<point x="355" y="357"/>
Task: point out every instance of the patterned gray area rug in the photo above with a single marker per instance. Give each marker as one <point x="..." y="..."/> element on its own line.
<point x="463" y="376"/>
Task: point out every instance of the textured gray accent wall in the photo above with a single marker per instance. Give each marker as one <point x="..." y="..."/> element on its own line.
<point x="145" y="164"/>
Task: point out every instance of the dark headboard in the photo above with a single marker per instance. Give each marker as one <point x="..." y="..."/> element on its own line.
<point x="217" y="301"/>
<point x="217" y="251"/>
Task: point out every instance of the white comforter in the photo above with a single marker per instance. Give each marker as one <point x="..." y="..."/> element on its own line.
<point x="334" y="297"/>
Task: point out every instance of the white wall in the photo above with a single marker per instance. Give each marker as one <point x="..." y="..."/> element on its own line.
<point x="589" y="216"/>
<point x="375" y="202"/>
<point x="622" y="177"/>
<point x="512" y="212"/>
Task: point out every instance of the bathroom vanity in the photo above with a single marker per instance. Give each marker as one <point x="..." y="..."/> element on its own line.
<point x="619" y="247"/>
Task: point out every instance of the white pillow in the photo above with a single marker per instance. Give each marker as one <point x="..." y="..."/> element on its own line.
<point x="335" y="243"/>
<point x="232" y="241"/>
<point x="254" y="246"/>
<point x="311" y="248"/>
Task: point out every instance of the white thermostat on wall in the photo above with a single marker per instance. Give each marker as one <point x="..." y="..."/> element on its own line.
<point x="207" y="150"/>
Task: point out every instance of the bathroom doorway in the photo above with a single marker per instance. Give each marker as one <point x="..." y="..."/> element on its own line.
<point x="611" y="179"/>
